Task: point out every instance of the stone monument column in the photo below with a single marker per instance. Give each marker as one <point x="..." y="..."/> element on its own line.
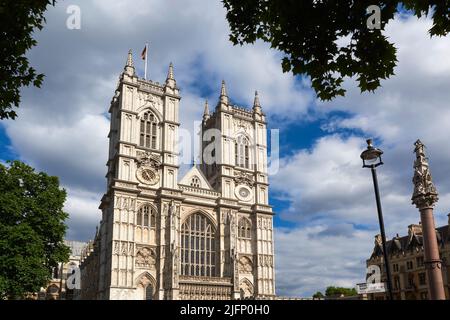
<point x="424" y="197"/>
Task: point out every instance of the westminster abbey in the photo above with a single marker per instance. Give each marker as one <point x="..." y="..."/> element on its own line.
<point x="208" y="235"/>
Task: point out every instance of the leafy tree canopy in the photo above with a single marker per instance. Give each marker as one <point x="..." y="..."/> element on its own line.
<point x="338" y="291"/>
<point x="309" y="33"/>
<point x="19" y="18"/>
<point x="318" y="295"/>
<point x="32" y="229"/>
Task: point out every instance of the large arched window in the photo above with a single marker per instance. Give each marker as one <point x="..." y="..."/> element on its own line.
<point x="242" y="152"/>
<point x="149" y="127"/>
<point x="198" y="256"/>
<point x="146" y="217"/>
<point x="245" y="228"/>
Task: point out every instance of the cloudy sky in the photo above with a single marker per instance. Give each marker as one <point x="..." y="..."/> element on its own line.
<point x="326" y="217"/>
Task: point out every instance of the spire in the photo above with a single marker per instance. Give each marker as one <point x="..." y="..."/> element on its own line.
<point x="206" y="111"/>
<point x="256" y="104"/>
<point x="425" y="194"/>
<point x="170" y="73"/>
<point x="170" y="80"/>
<point x="130" y="59"/>
<point x="223" y="93"/>
<point x="129" y="67"/>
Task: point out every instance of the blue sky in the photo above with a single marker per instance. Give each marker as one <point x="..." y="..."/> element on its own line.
<point x="324" y="201"/>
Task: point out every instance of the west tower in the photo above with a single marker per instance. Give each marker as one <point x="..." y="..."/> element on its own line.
<point x="208" y="235"/>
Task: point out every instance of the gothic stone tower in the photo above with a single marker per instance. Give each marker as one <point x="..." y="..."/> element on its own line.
<point x="208" y="236"/>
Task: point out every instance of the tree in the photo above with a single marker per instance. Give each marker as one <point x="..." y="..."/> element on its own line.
<point x="19" y="19"/>
<point x="309" y="35"/>
<point x="339" y="291"/>
<point x="32" y="229"/>
<point x="318" y="295"/>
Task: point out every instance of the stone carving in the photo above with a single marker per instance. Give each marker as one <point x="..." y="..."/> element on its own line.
<point x="151" y="100"/>
<point x="246" y="289"/>
<point x="378" y="240"/>
<point x="145" y="258"/>
<point x="130" y="248"/>
<point x="425" y="194"/>
<point x="116" y="247"/>
<point x="244" y="179"/>
<point x="148" y="159"/>
<point x="245" y="265"/>
<point x="241" y="124"/>
<point x="124" y="248"/>
<point x="124" y="203"/>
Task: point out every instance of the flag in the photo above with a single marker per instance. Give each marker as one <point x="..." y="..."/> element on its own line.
<point x="144" y="52"/>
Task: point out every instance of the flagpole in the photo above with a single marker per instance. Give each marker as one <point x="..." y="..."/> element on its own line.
<point x="145" y="69"/>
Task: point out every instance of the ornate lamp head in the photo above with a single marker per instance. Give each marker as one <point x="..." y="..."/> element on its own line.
<point x="371" y="157"/>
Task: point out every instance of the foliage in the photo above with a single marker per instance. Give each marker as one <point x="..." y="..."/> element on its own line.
<point x="19" y="18"/>
<point x="310" y="33"/>
<point x="32" y="229"/>
<point x="318" y="295"/>
<point x="338" y="291"/>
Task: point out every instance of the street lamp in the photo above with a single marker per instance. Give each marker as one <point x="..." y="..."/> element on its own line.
<point x="371" y="158"/>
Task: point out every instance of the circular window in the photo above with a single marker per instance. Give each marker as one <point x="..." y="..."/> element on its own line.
<point x="243" y="193"/>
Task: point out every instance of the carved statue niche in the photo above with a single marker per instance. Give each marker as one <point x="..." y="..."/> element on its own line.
<point x="246" y="289"/>
<point x="145" y="258"/>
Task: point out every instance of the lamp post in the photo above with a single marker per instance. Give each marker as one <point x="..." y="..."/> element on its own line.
<point x="371" y="158"/>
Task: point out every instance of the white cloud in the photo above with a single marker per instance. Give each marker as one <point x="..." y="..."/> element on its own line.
<point x="306" y="263"/>
<point x="84" y="214"/>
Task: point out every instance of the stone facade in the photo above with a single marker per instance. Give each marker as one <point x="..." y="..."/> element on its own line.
<point x="406" y="259"/>
<point x="208" y="235"/>
<point x="57" y="289"/>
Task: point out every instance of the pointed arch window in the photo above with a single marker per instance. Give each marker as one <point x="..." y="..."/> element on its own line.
<point x="148" y="130"/>
<point x="242" y="152"/>
<point x="245" y="228"/>
<point x="146" y="217"/>
<point x="198" y="249"/>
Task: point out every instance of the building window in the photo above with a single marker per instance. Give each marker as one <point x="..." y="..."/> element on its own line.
<point x="195" y="182"/>
<point x="422" y="279"/>
<point x="242" y="152"/>
<point x="148" y="130"/>
<point x="419" y="261"/>
<point x="409" y="265"/>
<point x="245" y="228"/>
<point x="146" y="217"/>
<point x="397" y="283"/>
<point x="411" y="281"/>
<point x="198" y="256"/>
<point x="395" y="267"/>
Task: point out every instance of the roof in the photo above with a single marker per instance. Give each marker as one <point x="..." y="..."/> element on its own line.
<point x="410" y="242"/>
<point x="195" y="172"/>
